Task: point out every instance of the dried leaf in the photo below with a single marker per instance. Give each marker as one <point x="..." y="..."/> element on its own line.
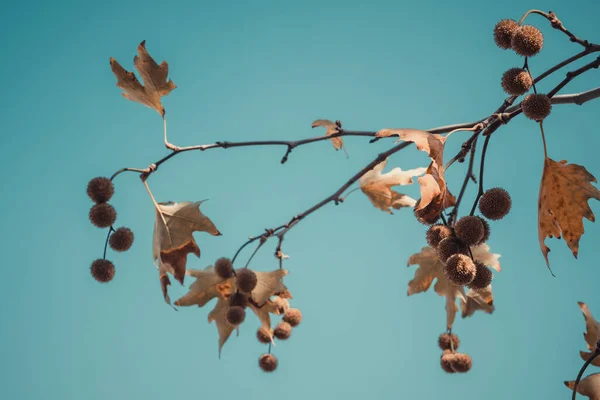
<point x="591" y="334"/>
<point x="332" y="128"/>
<point x="377" y="186"/>
<point x="206" y="287"/>
<point x="219" y="315"/>
<point x="432" y="144"/>
<point x="153" y="75"/>
<point x="478" y="300"/>
<point x="563" y="202"/>
<point x="588" y="386"/>
<point x="173" y="239"/>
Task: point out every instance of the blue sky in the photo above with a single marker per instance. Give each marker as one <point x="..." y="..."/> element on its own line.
<point x="266" y="70"/>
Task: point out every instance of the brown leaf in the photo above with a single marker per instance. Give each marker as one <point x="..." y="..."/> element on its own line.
<point x="153" y="75"/>
<point x="591" y="334"/>
<point x="206" y="287"/>
<point x="377" y="187"/>
<point x="478" y="300"/>
<point x="563" y="202"/>
<point x="219" y="315"/>
<point x="432" y="144"/>
<point x="588" y="386"/>
<point x="332" y="128"/>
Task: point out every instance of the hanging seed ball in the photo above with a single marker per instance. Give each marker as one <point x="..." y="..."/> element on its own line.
<point x="121" y="239"/>
<point x="235" y="315"/>
<point x="469" y="229"/>
<point x="283" y="330"/>
<point x="495" y="203"/>
<point x="446" y="361"/>
<point x="238" y="299"/>
<point x="486" y="231"/>
<point x="100" y="189"/>
<point x="246" y="280"/>
<point x="102" y="270"/>
<point x="446" y="340"/>
<point x="536" y="106"/>
<point x="224" y="268"/>
<point x="460" y="270"/>
<point x="527" y="41"/>
<point x="483" y="277"/>
<point x="264" y="335"/>
<point x="461" y="362"/>
<point x="103" y="215"/>
<point x="436" y="233"/>
<point x="267" y="362"/>
<point x="293" y="316"/>
<point x="449" y="247"/>
<point x="516" y="81"/>
<point x="503" y="32"/>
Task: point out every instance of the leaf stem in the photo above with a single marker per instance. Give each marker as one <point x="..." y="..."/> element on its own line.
<point x="591" y="358"/>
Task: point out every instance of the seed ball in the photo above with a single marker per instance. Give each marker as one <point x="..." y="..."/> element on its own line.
<point x="436" y="233"/>
<point x="121" y="239"/>
<point x="449" y="247"/>
<point x="283" y="330"/>
<point x="486" y="231"/>
<point x="483" y="277"/>
<point x="516" y="81"/>
<point x="246" y="280"/>
<point x="425" y="216"/>
<point x="448" y="341"/>
<point x="293" y="316"/>
<point x="461" y="362"/>
<point x="238" y="299"/>
<point x="446" y="361"/>
<point x="103" y="215"/>
<point x="503" y="32"/>
<point x="102" y="270"/>
<point x="469" y="229"/>
<point x="527" y="41"/>
<point x="267" y="362"/>
<point x="224" y="268"/>
<point x="536" y="106"/>
<point x="460" y="270"/>
<point x="100" y="189"/>
<point x="264" y="335"/>
<point x="235" y="315"/>
<point x="495" y="203"/>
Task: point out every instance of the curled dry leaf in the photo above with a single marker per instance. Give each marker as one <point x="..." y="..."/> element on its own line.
<point x="377" y="186"/>
<point x="173" y="239"/>
<point x="588" y="386"/>
<point x="332" y="128"/>
<point x="219" y="315"/>
<point x="563" y="202"/>
<point x="430" y="268"/>
<point x="154" y="76"/>
<point x="591" y="334"/>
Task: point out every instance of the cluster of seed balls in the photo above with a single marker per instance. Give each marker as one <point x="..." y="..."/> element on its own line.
<point x="452" y="244"/>
<point x="103" y="215"/>
<point x="236" y="314"/>
<point x="527" y="41"/>
<point x="451" y="361"/>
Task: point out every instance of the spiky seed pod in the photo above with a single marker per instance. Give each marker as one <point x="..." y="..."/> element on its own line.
<point x="448" y="341"/>
<point x="425" y="216"/>
<point x="469" y="229"/>
<point x="224" y="268"/>
<point x="264" y="335"/>
<point x="486" y="231"/>
<point x="102" y="270"/>
<point x="283" y="330"/>
<point x="293" y="316"/>
<point x="246" y="280"/>
<point x="121" y="239"/>
<point x="483" y="277"/>
<point x="436" y="233"/>
<point x="238" y="299"/>
<point x="103" y="215"/>
<point x="460" y="270"/>
<point x="527" y="41"/>
<point x="503" y="32"/>
<point x="100" y="189"/>
<point x="495" y="203"/>
<point x="267" y="362"/>
<point x="449" y="247"/>
<point x="516" y="81"/>
<point x="461" y="362"/>
<point x="446" y="361"/>
<point x="235" y="315"/>
<point x="536" y="106"/>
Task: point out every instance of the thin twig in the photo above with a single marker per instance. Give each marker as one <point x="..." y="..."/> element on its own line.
<point x="481" y="166"/>
<point x="468" y="176"/>
<point x="591" y="358"/>
<point x="111" y="230"/>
